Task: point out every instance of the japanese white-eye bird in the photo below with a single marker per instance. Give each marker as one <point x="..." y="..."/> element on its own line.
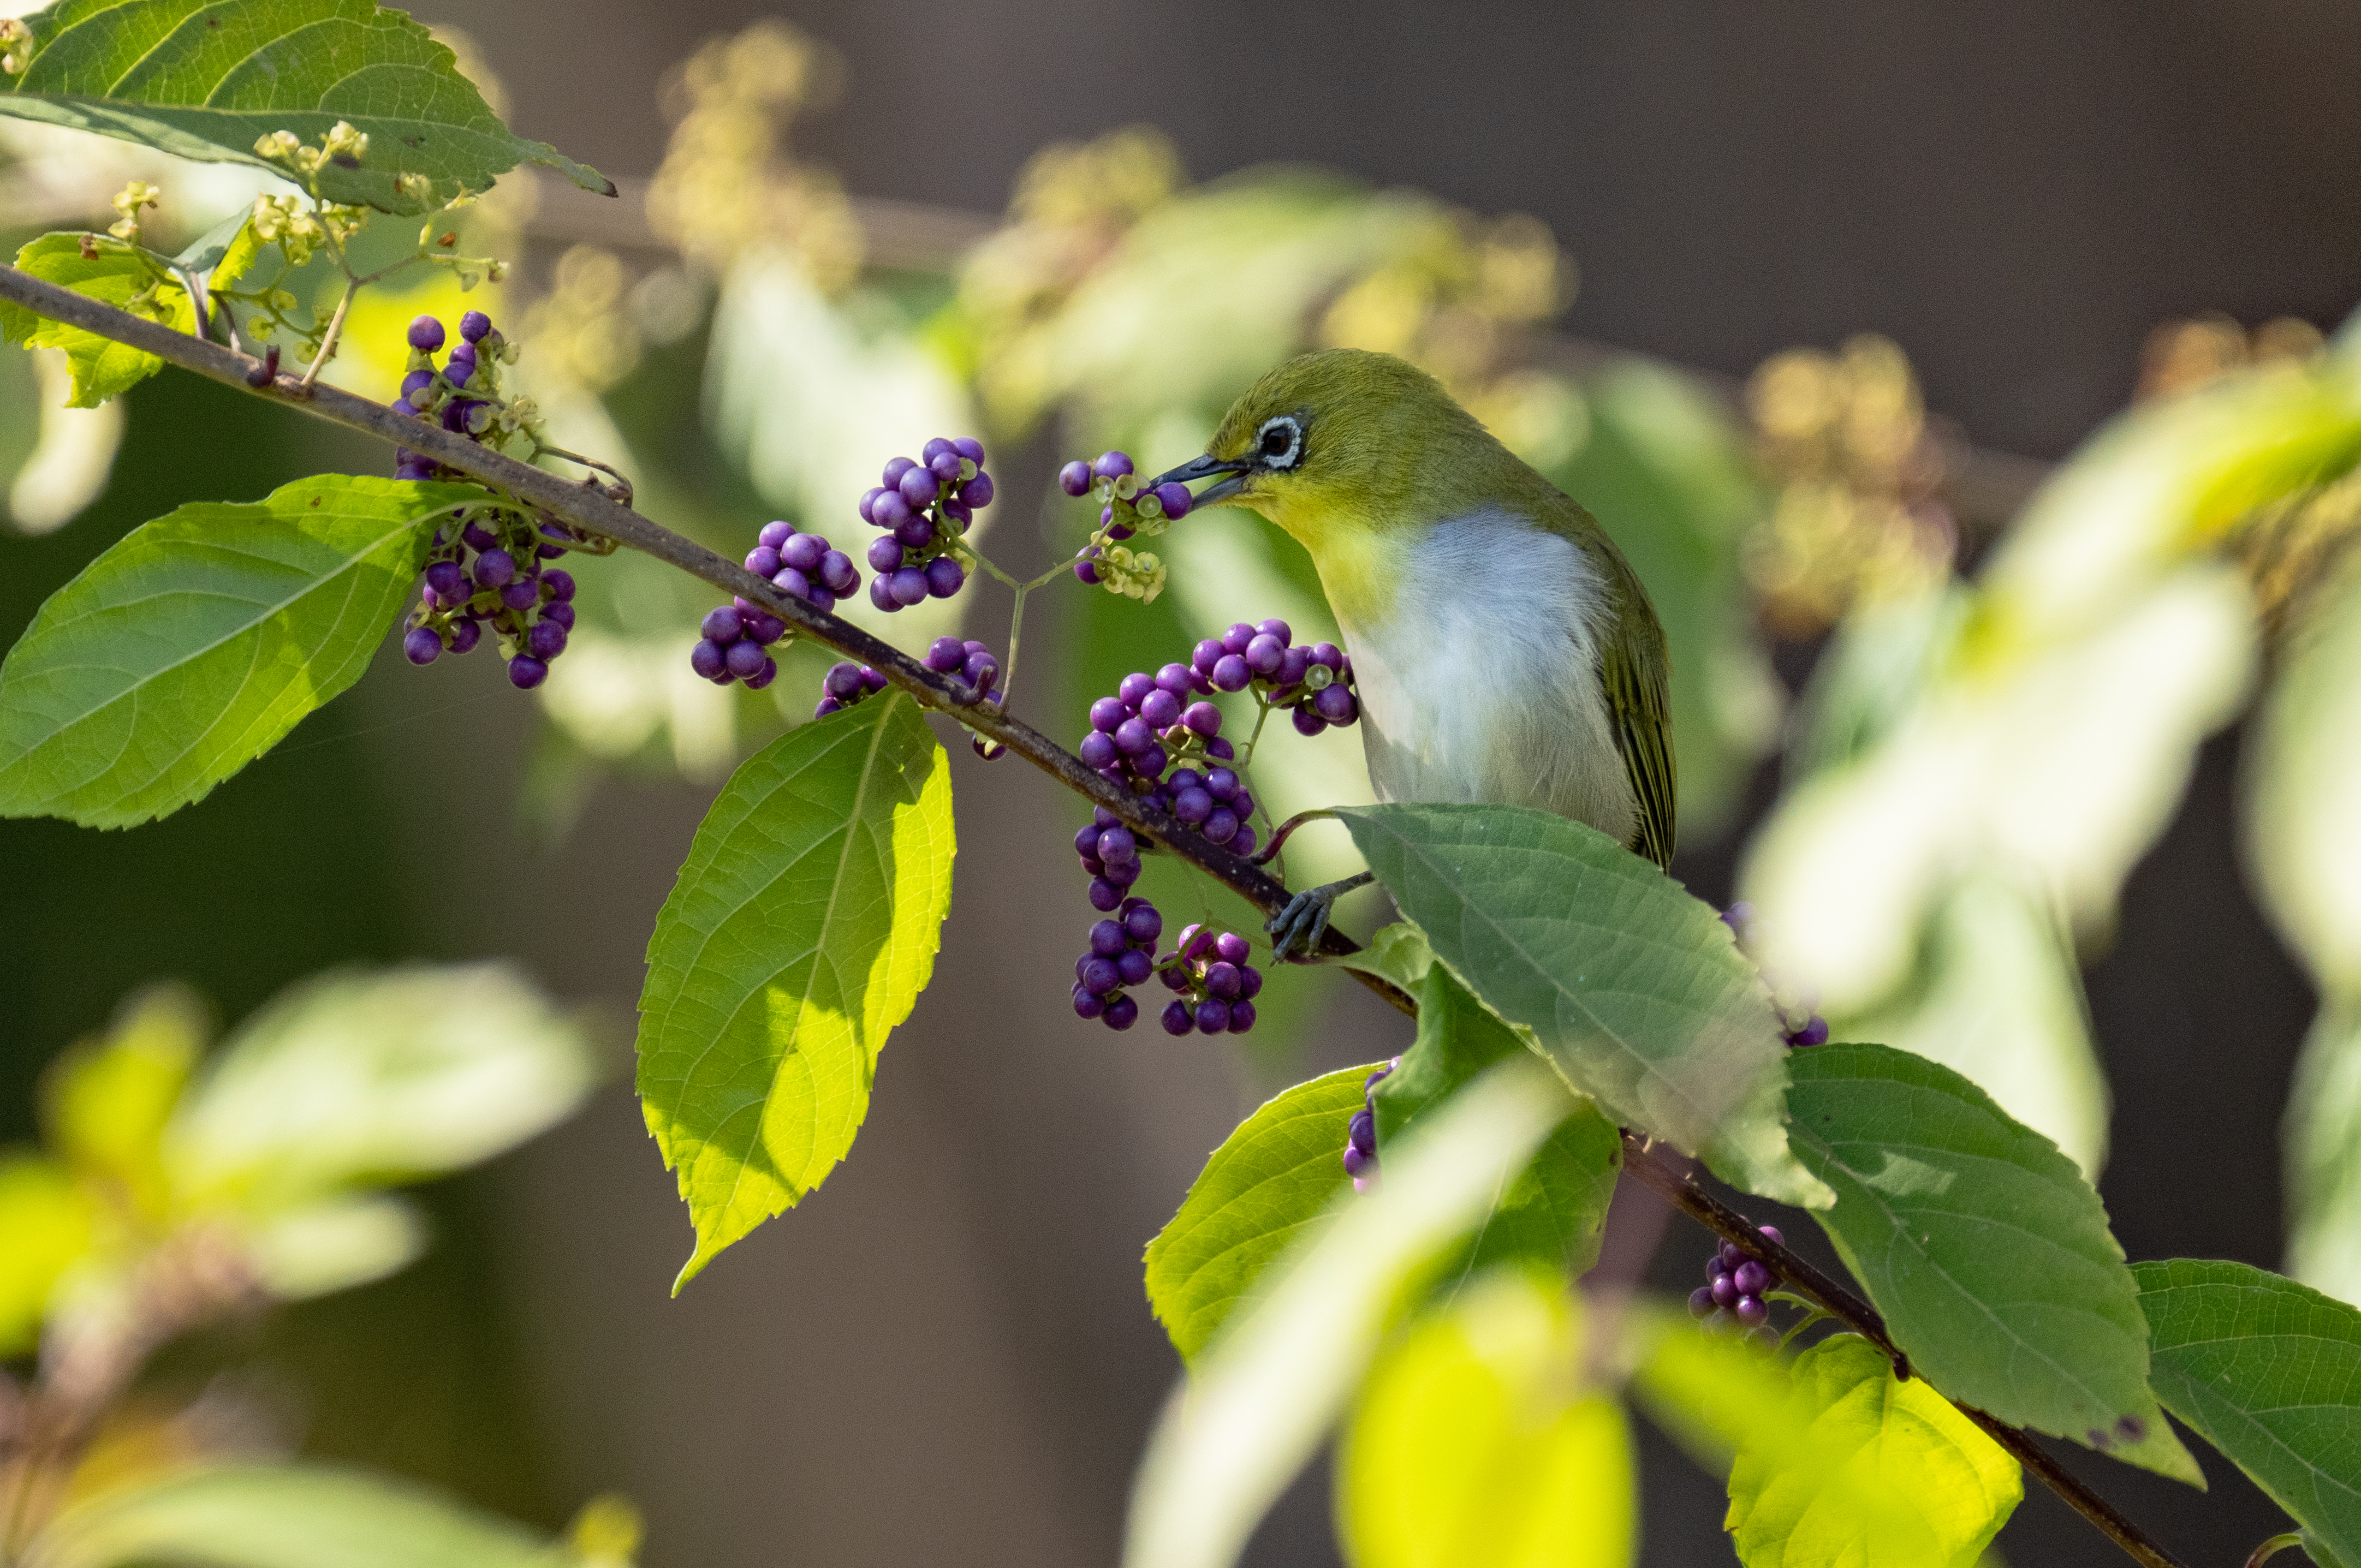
<point x="1504" y="650"/>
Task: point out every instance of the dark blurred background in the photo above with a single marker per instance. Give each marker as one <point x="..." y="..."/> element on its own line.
<point x="946" y="1351"/>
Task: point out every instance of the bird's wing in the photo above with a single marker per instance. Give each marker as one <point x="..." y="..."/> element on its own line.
<point x="1632" y="675"/>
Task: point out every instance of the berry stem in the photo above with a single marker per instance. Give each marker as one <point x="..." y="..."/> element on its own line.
<point x="335" y="329"/>
<point x="2273" y="1547"/>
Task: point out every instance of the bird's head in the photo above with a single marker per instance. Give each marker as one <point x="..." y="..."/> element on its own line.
<point x="1341" y="444"/>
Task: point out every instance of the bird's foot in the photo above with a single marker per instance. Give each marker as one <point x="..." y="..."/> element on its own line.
<point x="1301" y="925"/>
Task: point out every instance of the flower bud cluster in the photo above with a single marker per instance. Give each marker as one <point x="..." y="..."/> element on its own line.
<point x="1800" y="1024"/>
<point x="463" y="393"/>
<point x="925" y="505"/>
<point x="15" y="46"/>
<point x="1127" y="509"/>
<point x="343" y="146"/>
<point x="1733" y="1292"/>
<point x="138" y="194"/>
<point x="1361" y="1132"/>
<point x="491" y="573"/>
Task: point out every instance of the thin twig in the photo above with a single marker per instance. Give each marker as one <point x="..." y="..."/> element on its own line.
<point x="328" y="338"/>
<point x="2273" y="1547"/>
<point x="589" y="508"/>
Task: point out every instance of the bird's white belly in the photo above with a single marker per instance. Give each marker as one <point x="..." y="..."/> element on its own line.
<point x="1482" y="686"/>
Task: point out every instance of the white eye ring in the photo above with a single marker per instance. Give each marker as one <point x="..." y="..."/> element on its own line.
<point x="1285" y="459"/>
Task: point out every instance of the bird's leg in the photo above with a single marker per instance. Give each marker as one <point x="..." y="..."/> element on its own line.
<point x="1305" y="919"/>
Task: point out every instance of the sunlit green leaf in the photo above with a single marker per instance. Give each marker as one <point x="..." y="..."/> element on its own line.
<point x="287" y="1515"/>
<point x="371" y="1077"/>
<point x="113" y="274"/>
<point x="2324" y="1155"/>
<point x="802" y="928"/>
<point x="1261" y="1398"/>
<point x="1984" y="1248"/>
<point x="333" y="1244"/>
<point x="206" y="79"/>
<point x="47" y="1222"/>
<point x="2268" y="1371"/>
<point x="2304" y="787"/>
<point x="194" y="643"/>
<point x="1270" y="1180"/>
<point x="1634" y="990"/>
<point x="1476" y="1442"/>
<point x="105" y="1102"/>
<point x="1552" y="1216"/>
<point x="1886" y="1474"/>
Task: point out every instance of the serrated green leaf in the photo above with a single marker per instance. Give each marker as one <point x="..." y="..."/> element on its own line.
<point x="1261" y="1398"/>
<point x="114" y="274"/>
<point x="1984" y="1248"/>
<point x="365" y="1078"/>
<point x="1884" y="1474"/>
<point x="2268" y="1371"/>
<point x="1282" y="1166"/>
<point x="1272" y="1177"/>
<point x="800" y="932"/>
<point x="49" y="1226"/>
<point x="199" y="640"/>
<point x="1634" y="990"/>
<point x="1554" y="1214"/>
<point x="1474" y="1443"/>
<point x="206" y="79"/>
<point x="287" y="1515"/>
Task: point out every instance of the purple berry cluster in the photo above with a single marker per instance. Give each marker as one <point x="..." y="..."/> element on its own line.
<point x="492" y="574"/>
<point x="735" y="634"/>
<point x="1734" y="1288"/>
<point x="1800" y="1023"/>
<point x="1121" y="954"/>
<point x="925" y="505"/>
<point x="463" y="392"/>
<point x="1216" y="985"/>
<point x="1313" y="683"/>
<point x="1361" y="1132"/>
<point x="1126" y="509"/>
<point x="845" y="684"/>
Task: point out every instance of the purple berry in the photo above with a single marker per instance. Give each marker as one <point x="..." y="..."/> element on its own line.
<point x="1714" y="1268"/>
<point x="1222" y="826"/>
<point x="763" y="561"/>
<point x="723" y="625"/>
<point x="476" y="536"/>
<point x="1701" y="1303"/>
<point x="1123" y="874"/>
<point x="881" y="593"/>
<point x="560" y="583"/>
<point x="1174" y="678"/>
<point x="1160" y="709"/>
<point x="969" y="447"/>
<point x="836" y="573"/>
<point x="426" y="335"/>
<point x="917" y="486"/>
<point x="461" y="365"/>
<point x="1177" y="1020"/>
<point x="1134" y="736"/>
<point x="1277" y="628"/>
<point x="1074" y="478"/>
<point x="525" y="672"/>
<point x="1175" y="498"/>
<point x="1221" y="979"/>
<point x="980" y="669"/>
<point x="1213" y="1016"/>
<point x="774" y="535"/>
<point x="1328" y="654"/>
<point x="465" y="635"/>
<point x="890" y="511"/>
<point x="908" y="586"/>
<point x="1363" y="1131"/>
<point x="1106" y="713"/>
<point x="1100" y="976"/>
<point x="1250" y="983"/>
<point x="1202" y="718"/>
<point x="1230" y="673"/>
<point x="1232" y="948"/>
<point x="945" y="466"/>
<point x="1112" y="466"/>
<point x="1134" y="966"/>
<point x="1307" y="722"/>
<point x="474" y="325"/>
<point x="1238" y="639"/>
<point x="1358" y="1166"/>
<point x="522" y="594"/>
<point x="1118" y="847"/>
<point x="914" y="532"/>
<point x="1725" y="1291"/>
<point x="803" y="552"/>
<point x="1098" y="750"/>
<point x="1751" y="1311"/>
<point x="1143" y="924"/>
<point x="448" y="579"/>
<point x="760" y="626"/>
<point x="560" y="612"/>
<point x="495" y="567"/>
<point x="1105" y="895"/>
<point x="1122" y="1013"/>
<point x="945" y="577"/>
<point x="1291" y="667"/>
<point x="1193" y="805"/>
<point x="945" y="655"/>
<point x="1264" y="654"/>
<point x="420" y="645"/>
<point x="1242" y="1017"/>
<point x="885" y="554"/>
<point x="1815" y="1033"/>
<point x="743" y="659"/>
<point x="545" y="641"/>
<point x="1107" y="939"/>
<point x="976" y="492"/>
<point x="1771" y="1234"/>
<point x="1752" y="1278"/>
<point x="1221" y="784"/>
<point x="1335" y="705"/>
<point x="895" y="468"/>
<point x="1085" y="1005"/>
<point x="1244" y="844"/>
<point x="793" y="582"/>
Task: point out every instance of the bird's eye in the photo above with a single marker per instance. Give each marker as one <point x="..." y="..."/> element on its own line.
<point x="1279" y="442"/>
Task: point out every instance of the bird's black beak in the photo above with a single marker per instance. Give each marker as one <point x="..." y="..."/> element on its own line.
<point x="1204" y="467"/>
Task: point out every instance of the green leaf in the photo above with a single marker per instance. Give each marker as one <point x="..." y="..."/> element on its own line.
<point x="1472" y="1446"/>
<point x="1634" y="990"/>
<point x="1261" y="1398"/>
<point x="207" y="78"/>
<point x="114" y="274"/>
<point x="1885" y="1474"/>
<point x="1554" y="1214"/>
<point x="287" y="1515"/>
<point x="2324" y="1155"/>
<point x="364" y="1078"/>
<point x="802" y="928"/>
<point x="49" y="1226"/>
<point x="2268" y="1371"/>
<point x="195" y="642"/>
<point x="1984" y="1248"/>
<point x="105" y="1102"/>
<point x="1270" y="1180"/>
